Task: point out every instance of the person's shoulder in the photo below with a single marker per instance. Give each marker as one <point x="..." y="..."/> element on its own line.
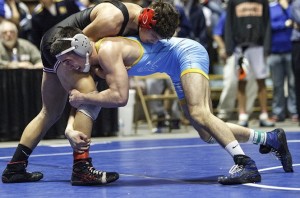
<point x="130" y="4"/>
<point x="21" y="40"/>
<point x="132" y="8"/>
<point x="176" y="39"/>
<point x="109" y="45"/>
<point x="24" y="42"/>
<point x="105" y="44"/>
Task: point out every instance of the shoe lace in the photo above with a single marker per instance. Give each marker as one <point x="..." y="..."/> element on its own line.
<point x="236" y="169"/>
<point x="93" y="171"/>
<point x="276" y="153"/>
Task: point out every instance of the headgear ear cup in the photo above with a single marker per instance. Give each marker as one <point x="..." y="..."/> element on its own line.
<point x="83" y="48"/>
<point x="82" y="45"/>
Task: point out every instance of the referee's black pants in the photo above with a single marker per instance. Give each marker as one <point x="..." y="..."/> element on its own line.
<point x="296" y="69"/>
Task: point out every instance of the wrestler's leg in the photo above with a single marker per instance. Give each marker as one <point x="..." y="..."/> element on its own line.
<point x="53" y="99"/>
<point x="204" y="135"/>
<point x="83" y="171"/>
<point x="274" y="140"/>
<point x="199" y="106"/>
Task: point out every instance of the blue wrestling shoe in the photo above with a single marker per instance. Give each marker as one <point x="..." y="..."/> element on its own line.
<point x="244" y="171"/>
<point x="277" y="144"/>
<point x="84" y="174"/>
<point x="16" y="172"/>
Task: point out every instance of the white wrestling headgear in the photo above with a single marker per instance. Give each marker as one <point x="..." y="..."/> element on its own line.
<point x="81" y="45"/>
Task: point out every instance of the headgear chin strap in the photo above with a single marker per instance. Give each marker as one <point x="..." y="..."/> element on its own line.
<point x="81" y="45"/>
<point x="146" y="18"/>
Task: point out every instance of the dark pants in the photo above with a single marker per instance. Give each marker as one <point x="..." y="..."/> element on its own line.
<point x="296" y="68"/>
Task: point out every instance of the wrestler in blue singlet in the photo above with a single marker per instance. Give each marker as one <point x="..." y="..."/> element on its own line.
<point x="175" y="57"/>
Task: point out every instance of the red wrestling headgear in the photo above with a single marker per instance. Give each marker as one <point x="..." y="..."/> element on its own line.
<point x="146" y="18"/>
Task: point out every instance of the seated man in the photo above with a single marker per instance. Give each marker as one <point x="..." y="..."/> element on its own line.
<point x="17" y="52"/>
<point x="187" y="64"/>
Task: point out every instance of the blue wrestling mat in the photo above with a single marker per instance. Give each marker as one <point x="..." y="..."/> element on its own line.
<point x="156" y="169"/>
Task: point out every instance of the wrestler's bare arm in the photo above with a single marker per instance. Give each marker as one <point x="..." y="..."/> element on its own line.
<point x="71" y="79"/>
<point x="112" y="64"/>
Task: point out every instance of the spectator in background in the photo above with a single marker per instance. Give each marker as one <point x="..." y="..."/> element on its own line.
<point x="248" y="37"/>
<point x="11" y="11"/>
<point x="295" y="12"/>
<point x="2" y="12"/>
<point x="216" y="7"/>
<point x="194" y="12"/>
<point x="212" y="12"/>
<point x="184" y="27"/>
<point x="16" y="52"/>
<point x="230" y="81"/>
<point x="280" y="61"/>
<point x="199" y="18"/>
<point x="18" y="12"/>
<point x="48" y="13"/>
<point x="207" y="14"/>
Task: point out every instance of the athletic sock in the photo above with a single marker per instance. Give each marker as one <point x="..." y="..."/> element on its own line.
<point x="234" y="148"/>
<point x="22" y="153"/>
<point x="257" y="137"/>
<point x="79" y="156"/>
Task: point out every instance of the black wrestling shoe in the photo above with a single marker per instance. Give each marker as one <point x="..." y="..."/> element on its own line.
<point x="15" y="172"/>
<point x="84" y="174"/>
<point x="244" y="171"/>
<point x="277" y="144"/>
